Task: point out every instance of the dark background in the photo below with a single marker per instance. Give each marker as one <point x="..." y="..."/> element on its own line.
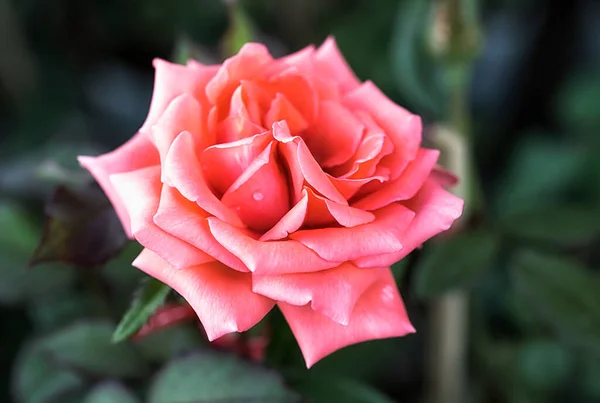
<point x="76" y="78"/>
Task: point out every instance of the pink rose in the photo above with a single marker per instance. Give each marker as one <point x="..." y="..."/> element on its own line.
<point x="286" y="181"/>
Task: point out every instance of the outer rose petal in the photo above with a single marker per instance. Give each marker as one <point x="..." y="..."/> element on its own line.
<point x="172" y="80"/>
<point x="140" y="192"/>
<point x="185" y="220"/>
<point x="343" y="244"/>
<point x="333" y="292"/>
<point x="330" y="62"/>
<point x="135" y="154"/>
<point x="183" y="113"/>
<point x="405" y="186"/>
<point x="378" y="314"/>
<point x="267" y="258"/>
<point x="403" y="127"/>
<point x="436" y="210"/>
<point x="182" y="170"/>
<point x="222" y="298"/>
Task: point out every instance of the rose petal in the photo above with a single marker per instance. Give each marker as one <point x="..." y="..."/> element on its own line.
<point x="402" y="127"/>
<point x="349" y="187"/>
<point x="405" y="186"/>
<point x="298" y="90"/>
<point x="260" y="195"/>
<point x="224" y="163"/>
<point x="303" y="166"/>
<point x="140" y="192"/>
<point x="172" y="80"/>
<point x="266" y="258"/>
<point x="333" y="292"/>
<point x="378" y="314"/>
<point x="135" y="154"/>
<point x="343" y="244"/>
<point x="282" y="109"/>
<point x="335" y="136"/>
<point x="185" y="220"/>
<point x="182" y="170"/>
<point x="436" y="210"/>
<point x="290" y="222"/>
<point x="248" y="63"/>
<point x="183" y="113"/>
<point x="330" y="62"/>
<point x="222" y="298"/>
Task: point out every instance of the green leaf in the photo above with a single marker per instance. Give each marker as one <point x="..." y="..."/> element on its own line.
<point x="210" y="376"/>
<point x="81" y="228"/>
<point x="417" y="75"/>
<point x="241" y="30"/>
<point x="87" y="346"/>
<point x="37" y="379"/>
<point x="110" y="392"/>
<point x="326" y="390"/>
<point x="564" y="294"/>
<point x="17" y="241"/>
<point x="165" y="344"/>
<point x="540" y="169"/>
<point x="543" y="364"/>
<point x="454" y="263"/>
<point x="150" y="296"/>
<point x="554" y="224"/>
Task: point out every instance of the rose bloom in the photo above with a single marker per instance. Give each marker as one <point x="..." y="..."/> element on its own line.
<point x="287" y="182"/>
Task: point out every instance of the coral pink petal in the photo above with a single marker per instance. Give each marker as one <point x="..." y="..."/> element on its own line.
<point x="248" y="63"/>
<point x="405" y="186"/>
<point x="183" y="113"/>
<point x="290" y="222"/>
<point x="224" y="163"/>
<point x="282" y="109"/>
<point x="335" y="136"/>
<point x="403" y="128"/>
<point x="222" y="298"/>
<point x="140" y="191"/>
<point x="436" y="210"/>
<point x="297" y="89"/>
<point x="268" y="258"/>
<point x="330" y="62"/>
<point x="349" y="187"/>
<point x="322" y="211"/>
<point x="443" y="177"/>
<point x="235" y="128"/>
<point x="303" y="166"/>
<point x="378" y="314"/>
<point x="172" y="80"/>
<point x="260" y="196"/>
<point x="332" y="292"/>
<point x="381" y="236"/>
<point x="185" y="220"/>
<point x="183" y="171"/>
<point x="137" y="153"/>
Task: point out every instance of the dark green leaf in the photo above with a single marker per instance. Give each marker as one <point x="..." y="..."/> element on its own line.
<point x="81" y="228"/>
<point x="544" y="364"/>
<point x="240" y="32"/>
<point x="37" y="379"/>
<point x="110" y="392"/>
<point x="166" y="343"/>
<point x="415" y="70"/>
<point x="326" y="390"/>
<point x="556" y="224"/>
<point x="454" y="263"/>
<point x="210" y="376"/>
<point x="540" y="170"/>
<point x="87" y="346"/>
<point x="564" y="293"/>
<point x="17" y="241"/>
<point x="149" y="297"/>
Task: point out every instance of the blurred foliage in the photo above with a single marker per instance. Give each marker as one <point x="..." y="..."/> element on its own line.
<point x="76" y="78"/>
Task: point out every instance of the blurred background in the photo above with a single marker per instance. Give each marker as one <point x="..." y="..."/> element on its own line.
<point x="508" y="89"/>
